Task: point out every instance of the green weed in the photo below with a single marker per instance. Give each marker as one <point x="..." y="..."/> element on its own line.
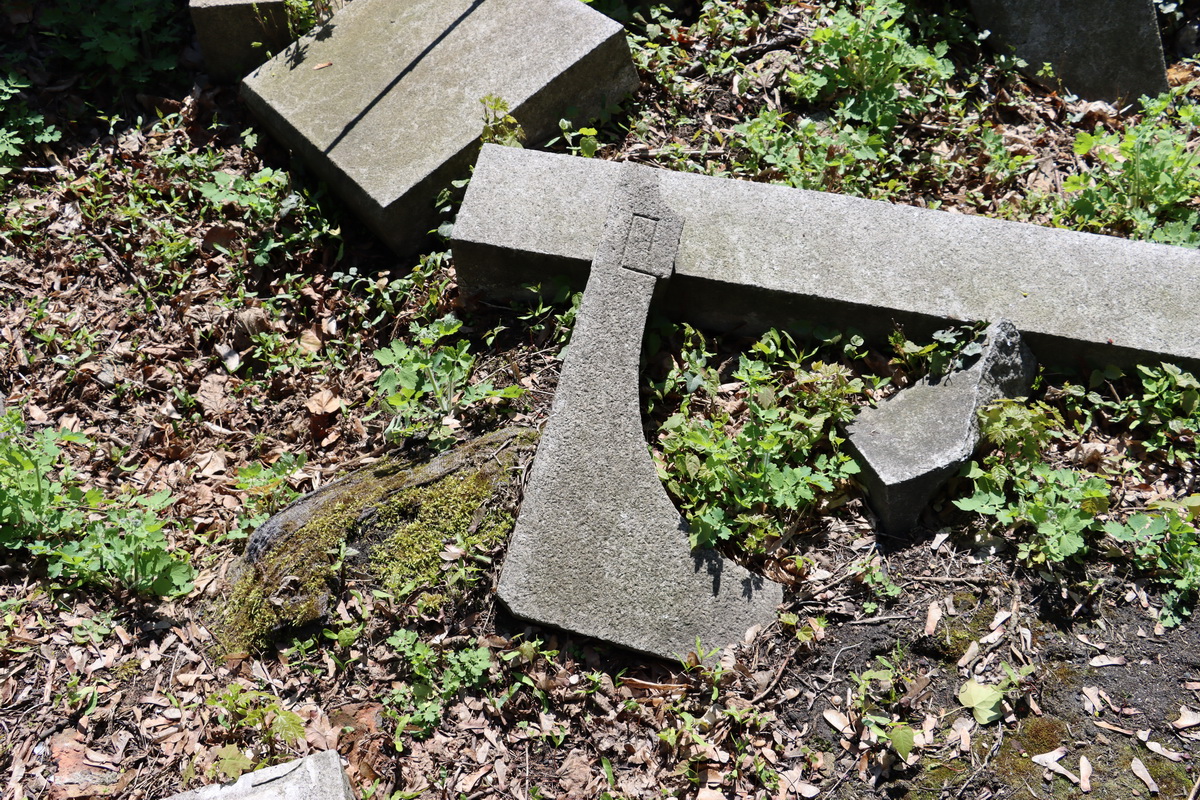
<point x="1143" y="180"/>
<point x="426" y="384"/>
<point x="747" y="478"/>
<point x="82" y="536"/>
<point x="433" y="677"/>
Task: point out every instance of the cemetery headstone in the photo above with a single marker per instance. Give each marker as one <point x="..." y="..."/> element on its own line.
<point x="384" y="101"/>
<point x="911" y="443"/>
<point x="316" y="777"/>
<point x="755" y="255"/>
<point x="1098" y="49"/>
<point x="599" y="547"/>
<point x="237" y="35"/>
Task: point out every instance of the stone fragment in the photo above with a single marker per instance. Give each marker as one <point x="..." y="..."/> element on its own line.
<point x="911" y="443"/>
<point x="599" y="547"/>
<point x="754" y="256"/>
<point x="316" y="777"/>
<point x="238" y="35"/>
<point x="1098" y="49"/>
<point x="383" y="102"/>
<point x="291" y="559"/>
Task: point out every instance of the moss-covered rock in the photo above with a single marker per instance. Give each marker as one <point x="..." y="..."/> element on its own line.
<point x="399" y="516"/>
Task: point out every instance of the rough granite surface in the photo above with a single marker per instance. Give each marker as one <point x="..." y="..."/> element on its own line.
<point x="237" y="35"/>
<point x="755" y="256"/>
<point x="1098" y="49"/>
<point x="316" y="777"/>
<point x="599" y="548"/>
<point x="383" y="102"/>
<point x="911" y="443"/>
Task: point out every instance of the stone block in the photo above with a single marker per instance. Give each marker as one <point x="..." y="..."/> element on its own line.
<point x="316" y="777"/>
<point x="755" y="255"/>
<point x="599" y="547"/>
<point x="910" y="444"/>
<point x="238" y="35"/>
<point x="383" y="102"/>
<point x="1098" y="49"/>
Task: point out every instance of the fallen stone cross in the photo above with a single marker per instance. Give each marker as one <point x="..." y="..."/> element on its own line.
<point x="383" y="102"/>
<point x="599" y="549"/>
<point x="1099" y="49"/>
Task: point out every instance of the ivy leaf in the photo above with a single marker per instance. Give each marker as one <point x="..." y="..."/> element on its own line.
<point x="983" y="700"/>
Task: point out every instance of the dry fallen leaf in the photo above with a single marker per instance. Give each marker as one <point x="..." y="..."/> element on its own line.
<point x="1050" y="762"/>
<point x="1085" y="774"/>
<point x="1114" y="728"/>
<point x="1107" y="661"/>
<point x="970" y="655"/>
<point x="323" y="65"/>
<point x="1091" y="700"/>
<point x="1171" y="755"/>
<point x="1140" y="770"/>
<point x="323" y="402"/>
<point x="310" y="341"/>
<point x="933" y="617"/>
<point x="1187" y="719"/>
<point x="839" y="721"/>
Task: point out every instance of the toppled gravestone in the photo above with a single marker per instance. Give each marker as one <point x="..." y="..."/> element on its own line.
<point x="316" y="777"/>
<point x="237" y="35"/>
<point x="754" y="256"/>
<point x="1098" y="49"/>
<point x="911" y="443"/>
<point x="396" y="514"/>
<point x="599" y="547"/>
<point x="384" y="101"/>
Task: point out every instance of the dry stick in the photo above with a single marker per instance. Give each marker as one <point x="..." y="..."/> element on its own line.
<point x="1195" y="791"/>
<point x="775" y="680"/>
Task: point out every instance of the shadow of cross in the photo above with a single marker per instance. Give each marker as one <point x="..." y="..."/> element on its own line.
<point x="598" y="548"/>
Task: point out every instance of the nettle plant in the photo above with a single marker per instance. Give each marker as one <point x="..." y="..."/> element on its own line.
<point x="747" y="459"/>
<point x="78" y="533"/>
<point x="428" y="384"/>
<point x="1141" y="181"/>
<point x="1061" y="516"/>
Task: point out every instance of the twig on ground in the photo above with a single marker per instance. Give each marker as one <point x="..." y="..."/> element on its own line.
<point x="758" y="698"/>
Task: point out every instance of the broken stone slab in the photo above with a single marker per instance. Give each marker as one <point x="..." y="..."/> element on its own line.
<point x="909" y="445"/>
<point x="316" y="777"/>
<point x="237" y="35"/>
<point x="599" y="547"/>
<point x="755" y="256"/>
<point x="395" y="514"/>
<point x="383" y="102"/>
<point x="1098" y="49"/>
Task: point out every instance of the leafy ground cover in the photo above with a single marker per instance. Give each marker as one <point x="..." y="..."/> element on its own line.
<point x="191" y="335"/>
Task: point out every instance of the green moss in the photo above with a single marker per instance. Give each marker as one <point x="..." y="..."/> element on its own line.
<point x="401" y="515"/>
<point x="423" y="519"/>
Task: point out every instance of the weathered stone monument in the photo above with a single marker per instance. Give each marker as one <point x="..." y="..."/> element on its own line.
<point x="598" y="548"/>
<point x="237" y="35"/>
<point x="1099" y="49"/>
<point x="384" y="101"/>
<point x="756" y="255"/>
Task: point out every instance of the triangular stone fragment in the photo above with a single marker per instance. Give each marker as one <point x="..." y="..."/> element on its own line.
<point x="911" y="443"/>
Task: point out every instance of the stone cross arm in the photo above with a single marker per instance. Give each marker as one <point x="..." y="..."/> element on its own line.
<point x="755" y="256"/>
